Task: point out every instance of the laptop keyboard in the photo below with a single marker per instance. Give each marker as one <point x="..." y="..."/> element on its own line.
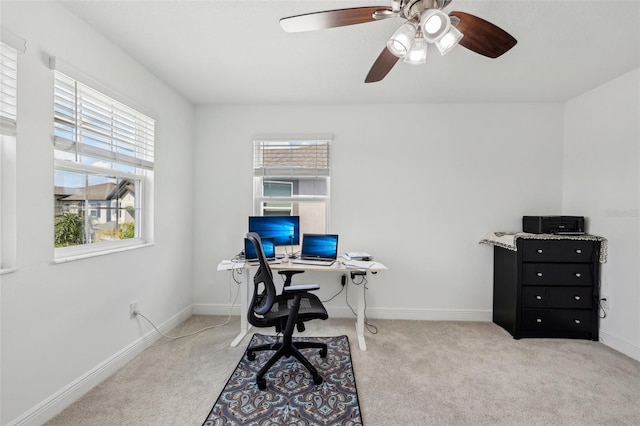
<point x="269" y="261"/>
<point x="313" y="262"/>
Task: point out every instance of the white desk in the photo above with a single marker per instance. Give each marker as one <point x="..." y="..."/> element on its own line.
<point x="337" y="267"/>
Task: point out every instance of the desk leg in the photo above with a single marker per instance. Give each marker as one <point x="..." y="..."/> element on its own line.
<point x="360" y="318"/>
<point x="244" y="307"/>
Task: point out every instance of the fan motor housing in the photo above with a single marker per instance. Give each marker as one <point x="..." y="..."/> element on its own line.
<point x="411" y="8"/>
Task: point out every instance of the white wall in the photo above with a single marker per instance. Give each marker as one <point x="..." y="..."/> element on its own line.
<point x="66" y="326"/>
<point x="602" y="182"/>
<point x="415" y="185"/>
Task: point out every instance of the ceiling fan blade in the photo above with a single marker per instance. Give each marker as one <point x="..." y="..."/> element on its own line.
<point x="482" y="36"/>
<point x="381" y="67"/>
<point x="330" y="19"/>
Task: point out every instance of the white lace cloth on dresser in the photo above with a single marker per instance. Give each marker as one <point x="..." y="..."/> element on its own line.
<point x="508" y="240"/>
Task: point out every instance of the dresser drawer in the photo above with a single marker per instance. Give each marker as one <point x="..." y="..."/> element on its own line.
<point x="560" y="320"/>
<point x="578" y="274"/>
<point x="557" y="250"/>
<point x="557" y="297"/>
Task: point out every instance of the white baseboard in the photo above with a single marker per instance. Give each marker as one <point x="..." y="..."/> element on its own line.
<point x="619" y="345"/>
<point x="430" y="314"/>
<point x="377" y="313"/>
<point x="215" y="309"/>
<point x="57" y="402"/>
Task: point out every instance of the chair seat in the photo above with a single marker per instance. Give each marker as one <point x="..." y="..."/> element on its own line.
<point x="310" y="308"/>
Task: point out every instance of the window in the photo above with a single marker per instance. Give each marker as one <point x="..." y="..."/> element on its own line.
<point x="8" y="89"/>
<point x="10" y="46"/>
<point x="103" y="160"/>
<point x="291" y="177"/>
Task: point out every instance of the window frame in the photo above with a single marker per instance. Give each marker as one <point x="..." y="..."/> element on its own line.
<point x="264" y="174"/>
<point x="72" y="152"/>
<point x="8" y="234"/>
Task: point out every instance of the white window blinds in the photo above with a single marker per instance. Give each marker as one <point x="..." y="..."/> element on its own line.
<point x="291" y="158"/>
<point x="88" y="123"/>
<point x="8" y="89"/>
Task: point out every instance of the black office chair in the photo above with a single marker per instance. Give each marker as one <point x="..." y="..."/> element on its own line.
<point x="269" y="309"/>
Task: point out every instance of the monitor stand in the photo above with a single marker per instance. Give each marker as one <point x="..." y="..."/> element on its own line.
<point x="292" y="255"/>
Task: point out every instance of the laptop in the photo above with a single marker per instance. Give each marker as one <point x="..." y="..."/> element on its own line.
<point x="268" y="246"/>
<point x="318" y="249"/>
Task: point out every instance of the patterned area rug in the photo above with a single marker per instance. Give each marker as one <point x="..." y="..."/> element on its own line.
<point x="291" y="397"/>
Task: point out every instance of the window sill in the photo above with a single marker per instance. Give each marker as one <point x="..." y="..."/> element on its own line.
<point x="80" y="256"/>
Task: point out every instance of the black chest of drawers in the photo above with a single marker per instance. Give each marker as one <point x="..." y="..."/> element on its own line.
<point x="547" y="288"/>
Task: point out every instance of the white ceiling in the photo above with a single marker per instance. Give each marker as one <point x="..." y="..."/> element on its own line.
<point x="234" y="52"/>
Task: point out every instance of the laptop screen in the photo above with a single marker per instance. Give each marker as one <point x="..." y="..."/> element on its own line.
<point x="268" y="246"/>
<point x="319" y="246"/>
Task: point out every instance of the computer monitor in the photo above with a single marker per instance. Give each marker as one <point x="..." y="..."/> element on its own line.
<point x="285" y="230"/>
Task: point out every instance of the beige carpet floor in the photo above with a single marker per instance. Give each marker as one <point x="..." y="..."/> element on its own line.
<point x="413" y="373"/>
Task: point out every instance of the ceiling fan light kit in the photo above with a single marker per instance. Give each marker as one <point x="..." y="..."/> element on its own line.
<point x="449" y="40"/>
<point x="417" y="54"/>
<point x="435" y="27"/>
<point x="425" y="23"/>
<point x="400" y="42"/>
<point x="434" y="23"/>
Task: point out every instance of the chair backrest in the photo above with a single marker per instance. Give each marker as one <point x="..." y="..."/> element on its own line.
<point x="265" y="294"/>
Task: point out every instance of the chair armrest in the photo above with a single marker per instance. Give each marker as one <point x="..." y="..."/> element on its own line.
<point x="300" y="288"/>
<point x="288" y="274"/>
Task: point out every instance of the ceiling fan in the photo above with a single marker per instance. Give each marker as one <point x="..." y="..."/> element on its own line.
<point x="425" y="23"/>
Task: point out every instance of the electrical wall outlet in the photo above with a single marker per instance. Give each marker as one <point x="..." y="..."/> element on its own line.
<point x="605" y="302"/>
<point x="133" y="309"/>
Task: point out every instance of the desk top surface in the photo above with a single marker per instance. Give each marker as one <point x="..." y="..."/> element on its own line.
<point x="338" y="265"/>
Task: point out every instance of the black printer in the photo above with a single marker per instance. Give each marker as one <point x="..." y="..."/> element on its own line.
<point x="567" y="225"/>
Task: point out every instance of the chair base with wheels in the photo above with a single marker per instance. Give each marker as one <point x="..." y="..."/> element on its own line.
<point x="286" y="349"/>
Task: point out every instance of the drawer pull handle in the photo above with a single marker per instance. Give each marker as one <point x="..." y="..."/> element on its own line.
<point x="576" y="297"/>
<point x="539" y="251"/>
<point x="539" y="274"/>
<point x="538" y="319"/>
<point x="538" y="297"/>
<point x="578" y="274"/>
<point x="577" y="321"/>
<point x="578" y="251"/>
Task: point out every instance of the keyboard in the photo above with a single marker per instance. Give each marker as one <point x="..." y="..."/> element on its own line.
<point x="313" y="262"/>
<point x="269" y="261"/>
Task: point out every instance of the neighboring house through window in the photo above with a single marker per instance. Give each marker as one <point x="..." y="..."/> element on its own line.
<point x="292" y="177"/>
<point x="103" y="159"/>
